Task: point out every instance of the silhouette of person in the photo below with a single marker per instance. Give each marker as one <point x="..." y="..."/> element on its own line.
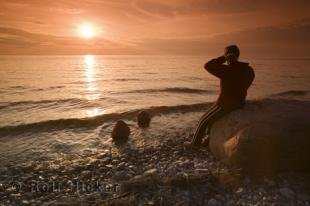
<point x="235" y="79"/>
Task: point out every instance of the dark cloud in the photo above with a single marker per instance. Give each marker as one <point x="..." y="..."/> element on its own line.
<point x="290" y="40"/>
<point x="171" y="8"/>
<point x="163" y="8"/>
<point x="154" y="26"/>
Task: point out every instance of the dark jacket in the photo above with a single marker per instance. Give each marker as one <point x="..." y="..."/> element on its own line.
<point x="235" y="79"/>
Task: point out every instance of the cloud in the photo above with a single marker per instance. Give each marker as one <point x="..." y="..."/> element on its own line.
<point x="163" y="8"/>
<point x="291" y="40"/>
<point x="67" y="10"/>
<point x="172" y="8"/>
<point x="154" y="26"/>
<point x="16" y="41"/>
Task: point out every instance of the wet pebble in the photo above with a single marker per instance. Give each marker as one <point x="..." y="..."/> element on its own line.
<point x="109" y="166"/>
<point x="121" y="165"/>
<point x="303" y="197"/>
<point x="287" y="192"/>
<point x="151" y="171"/>
<point x="239" y="190"/>
<point x="212" y="202"/>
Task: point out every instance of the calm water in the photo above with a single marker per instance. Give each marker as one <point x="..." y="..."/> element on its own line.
<point x="41" y="88"/>
<point x="55" y="107"/>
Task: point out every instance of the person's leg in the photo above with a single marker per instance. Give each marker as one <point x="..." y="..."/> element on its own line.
<point x="211" y="121"/>
<point x="214" y="106"/>
<point x="212" y="114"/>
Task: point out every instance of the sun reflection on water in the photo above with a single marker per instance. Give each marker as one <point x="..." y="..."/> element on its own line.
<point x="89" y="61"/>
<point x="91" y="86"/>
<point x="93" y="112"/>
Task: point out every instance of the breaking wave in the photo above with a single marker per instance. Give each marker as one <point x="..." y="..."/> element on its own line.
<point x="292" y="93"/>
<point x="92" y="122"/>
<point x="173" y="90"/>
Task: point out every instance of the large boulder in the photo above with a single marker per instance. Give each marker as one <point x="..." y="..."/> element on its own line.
<point x="265" y="137"/>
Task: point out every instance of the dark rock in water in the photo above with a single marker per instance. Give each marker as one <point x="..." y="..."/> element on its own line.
<point x="144" y="119"/>
<point x="120" y="132"/>
<point x="265" y="137"/>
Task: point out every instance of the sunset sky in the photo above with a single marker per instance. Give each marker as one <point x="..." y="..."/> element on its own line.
<point x="279" y="28"/>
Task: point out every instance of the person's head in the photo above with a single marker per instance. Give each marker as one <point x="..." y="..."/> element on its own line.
<point x="231" y="54"/>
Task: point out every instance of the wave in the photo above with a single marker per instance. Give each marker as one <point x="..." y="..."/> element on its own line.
<point x="173" y="90"/>
<point x="4" y="105"/>
<point x="48" y="88"/>
<point x="47" y="103"/>
<point x="126" y="79"/>
<point x="292" y="93"/>
<point x="91" y="122"/>
<point x="17" y="87"/>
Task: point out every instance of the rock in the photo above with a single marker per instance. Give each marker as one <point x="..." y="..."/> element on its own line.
<point x="106" y="160"/>
<point x="141" y="183"/>
<point x="287" y="193"/>
<point x="121" y="176"/>
<point x="303" y="197"/>
<point x="212" y="202"/>
<point x="230" y="203"/>
<point x="270" y="183"/>
<point x="121" y="165"/>
<point x="220" y="197"/>
<point x="120" y="132"/>
<point x="264" y="137"/>
<point x="239" y="190"/>
<point x="151" y="171"/>
<point x="144" y="119"/>
<point x="25" y="202"/>
<point x="109" y="165"/>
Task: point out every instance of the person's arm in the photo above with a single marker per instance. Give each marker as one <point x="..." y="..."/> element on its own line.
<point x="251" y="76"/>
<point x="216" y="67"/>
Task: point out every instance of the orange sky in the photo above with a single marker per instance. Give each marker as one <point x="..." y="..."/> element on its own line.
<point x="193" y="27"/>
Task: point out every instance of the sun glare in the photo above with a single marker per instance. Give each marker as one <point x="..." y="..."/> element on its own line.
<point x="87" y="31"/>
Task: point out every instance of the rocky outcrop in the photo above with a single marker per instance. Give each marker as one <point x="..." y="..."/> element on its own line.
<point x="266" y="136"/>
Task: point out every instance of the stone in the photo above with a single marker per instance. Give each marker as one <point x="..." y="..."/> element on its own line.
<point x="264" y="137"/>
<point x="230" y="203"/>
<point x="25" y="202"/>
<point x="120" y="176"/>
<point x="239" y="190"/>
<point x="109" y="165"/>
<point x="220" y="197"/>
<point x="212" y="202"/>
<point x="121" y="132"/>
<point x="120" y="165"/>
<point x="303" y="197"/>
<point x="287" y="192"/>
<point x="151" y="171"/>
<point x="144" y="119"/>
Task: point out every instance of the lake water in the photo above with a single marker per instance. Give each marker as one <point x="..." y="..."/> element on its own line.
<point x="57" y="104"/>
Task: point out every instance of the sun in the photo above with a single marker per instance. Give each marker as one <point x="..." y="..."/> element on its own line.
<point x="87" y="30"/>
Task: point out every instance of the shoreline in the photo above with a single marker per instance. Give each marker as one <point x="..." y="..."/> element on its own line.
<point x="163" y="175"/>
<point x="153" y="168"/>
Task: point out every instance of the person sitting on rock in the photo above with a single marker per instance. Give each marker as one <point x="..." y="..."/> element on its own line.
<point x="235" y="79"/>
